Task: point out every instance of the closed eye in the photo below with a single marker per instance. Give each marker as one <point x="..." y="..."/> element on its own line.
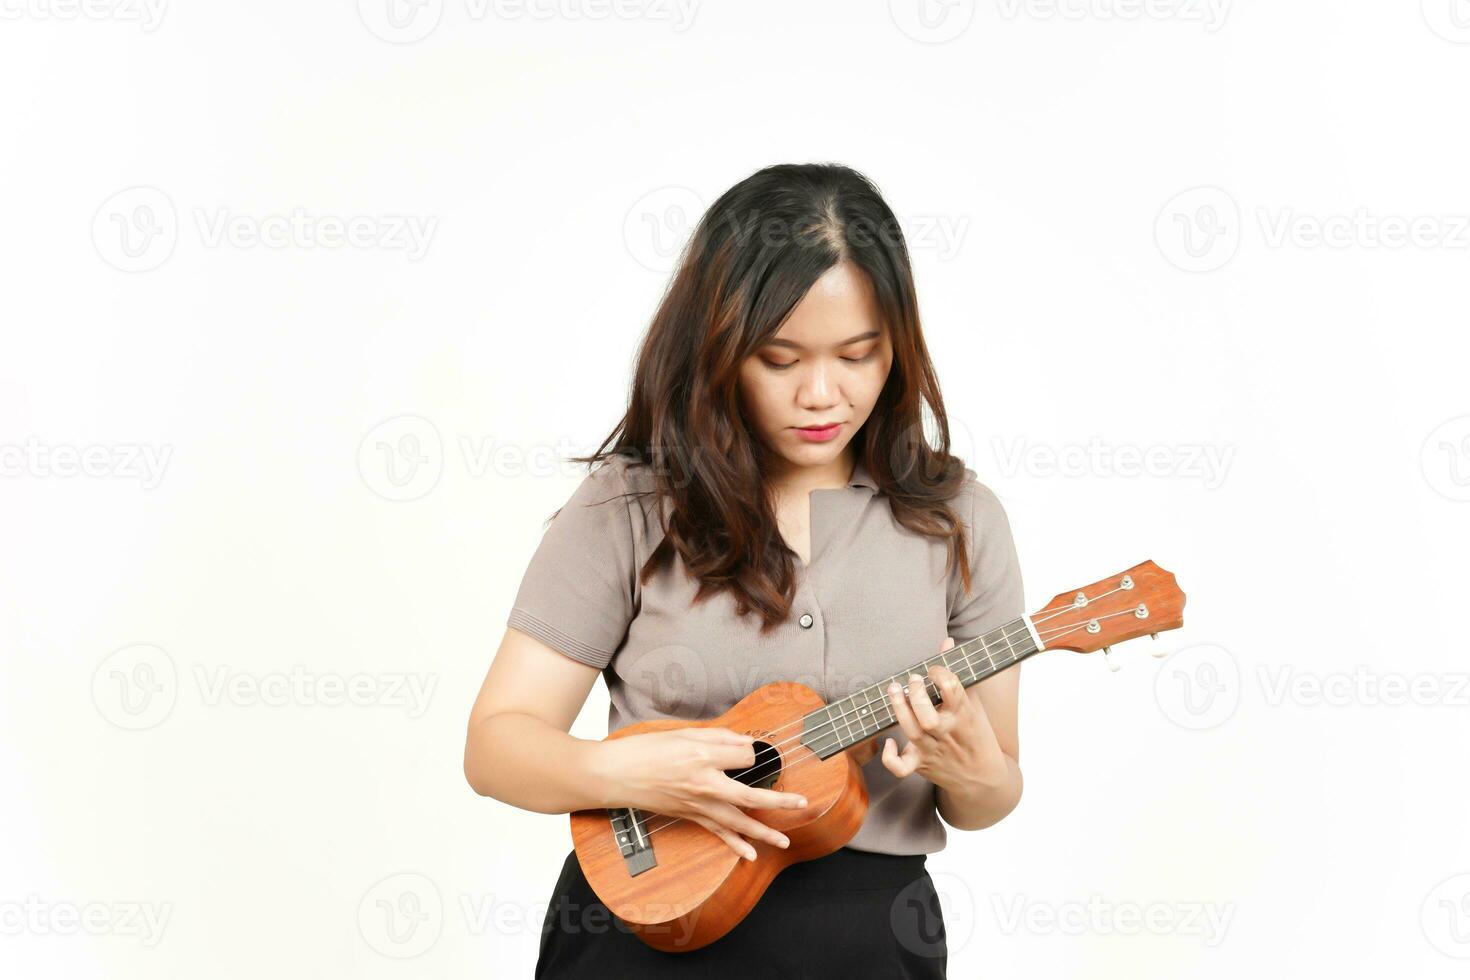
<point x="777" y="366"/>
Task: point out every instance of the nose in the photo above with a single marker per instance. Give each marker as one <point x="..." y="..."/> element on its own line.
<point x="817" y="389"/>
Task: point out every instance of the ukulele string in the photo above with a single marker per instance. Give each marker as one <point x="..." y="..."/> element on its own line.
<point x="838" y="721"/>
<point x="832" y="725"/>
<point x="1041" y="617"/>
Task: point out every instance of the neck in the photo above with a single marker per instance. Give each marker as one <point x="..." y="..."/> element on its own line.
<point x="860" y="716"/>
<point x="797" y="481"/>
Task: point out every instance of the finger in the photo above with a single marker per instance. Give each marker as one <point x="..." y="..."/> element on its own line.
<point x="902" y="711"/>
<point x="738" y="844"/>
<point x="762" y="799"/>
<point x="895" y="763"/>
<point x="723" y="756"/>
<point x="950" y="689"/>
<point x="924" y="711"/>
<point x="739" y="822"/>
<point x="948" y="642"/>
<point x="723" y="735"/>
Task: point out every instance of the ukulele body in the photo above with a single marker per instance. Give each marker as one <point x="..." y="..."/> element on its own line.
<point x="698" y="888"/>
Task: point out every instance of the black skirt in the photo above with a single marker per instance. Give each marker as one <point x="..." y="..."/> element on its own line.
<point x="848" y="914"/>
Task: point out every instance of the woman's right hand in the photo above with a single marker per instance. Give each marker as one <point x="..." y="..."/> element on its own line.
<point x="681" y="773"/>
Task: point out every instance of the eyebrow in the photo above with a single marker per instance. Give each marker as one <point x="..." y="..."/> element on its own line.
<point x="850" y="340"/>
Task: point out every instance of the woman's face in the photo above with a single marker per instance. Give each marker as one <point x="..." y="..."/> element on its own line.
<point x="827" y="364"/>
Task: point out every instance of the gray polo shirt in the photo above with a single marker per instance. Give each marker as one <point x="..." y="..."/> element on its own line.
<point x="874" y="601"/>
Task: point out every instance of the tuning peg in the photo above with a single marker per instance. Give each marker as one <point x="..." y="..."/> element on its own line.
<point x="1155" y="648"/>
<point x="1112" y="664"/>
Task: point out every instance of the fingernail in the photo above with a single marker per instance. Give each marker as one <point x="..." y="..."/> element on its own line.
<point x="801" y="801"/>
<point x="750" y="854"/>
<point x="785" y="842"/>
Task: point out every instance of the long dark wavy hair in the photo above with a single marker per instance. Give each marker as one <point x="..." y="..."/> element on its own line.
<point x="755" y="253"/>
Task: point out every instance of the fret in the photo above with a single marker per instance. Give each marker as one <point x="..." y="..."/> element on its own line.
<point x="990" y="665"/>
<point x="962" y="667"/>
<point x="848" y="715"/>
<point x="868" y="711"/>
<point x="969" y="665"/>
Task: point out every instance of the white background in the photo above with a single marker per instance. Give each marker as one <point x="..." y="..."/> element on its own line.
<point x="236" y="678"/>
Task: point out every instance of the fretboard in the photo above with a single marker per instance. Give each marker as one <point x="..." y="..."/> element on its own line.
<point x="862" y="715"/>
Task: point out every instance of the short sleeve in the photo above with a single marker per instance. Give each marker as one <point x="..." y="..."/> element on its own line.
<point x="577" y="593"/>
<point x="996" y="595"/>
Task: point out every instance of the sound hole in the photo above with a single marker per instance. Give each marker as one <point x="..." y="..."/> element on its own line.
<point x="765" y="772"/>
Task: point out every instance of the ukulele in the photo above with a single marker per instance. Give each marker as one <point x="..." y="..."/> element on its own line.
<point x="678" y="886"/>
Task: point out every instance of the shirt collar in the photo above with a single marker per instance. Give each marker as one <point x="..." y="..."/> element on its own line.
<point x="861" y="477"/>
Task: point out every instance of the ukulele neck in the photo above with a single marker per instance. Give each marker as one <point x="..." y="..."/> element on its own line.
<point x="858" y="717"/>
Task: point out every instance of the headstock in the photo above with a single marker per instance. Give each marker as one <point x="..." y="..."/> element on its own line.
<point x="1136" y="602"/>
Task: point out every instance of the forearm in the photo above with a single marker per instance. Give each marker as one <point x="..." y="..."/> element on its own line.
<point x="558" y="777"/>
<point x="983" y="801"/>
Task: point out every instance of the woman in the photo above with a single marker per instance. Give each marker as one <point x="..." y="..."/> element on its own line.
<point x="767" y="509"/>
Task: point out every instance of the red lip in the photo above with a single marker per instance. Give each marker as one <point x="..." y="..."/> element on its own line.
<point x="819" y="433"/>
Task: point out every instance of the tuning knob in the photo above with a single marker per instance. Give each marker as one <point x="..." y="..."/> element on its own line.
<point x="1107" y="659"/>
<point x="1155" y="648"/>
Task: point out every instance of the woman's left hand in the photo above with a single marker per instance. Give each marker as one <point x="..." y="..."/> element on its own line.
<point x="949" y="745"/>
